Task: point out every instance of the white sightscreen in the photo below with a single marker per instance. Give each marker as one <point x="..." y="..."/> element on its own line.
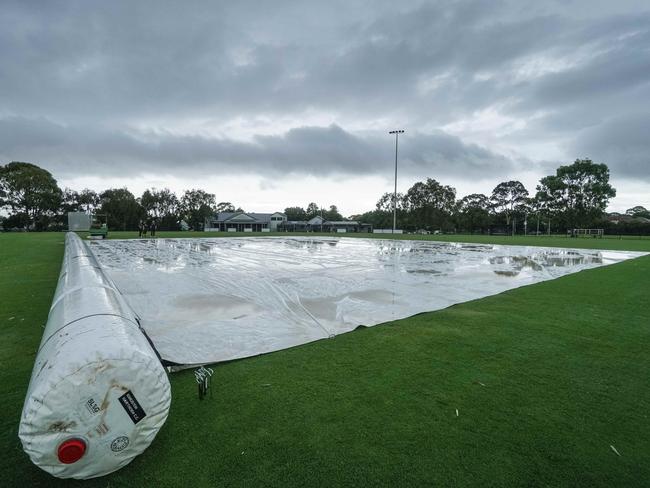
<point x="215" y="299"/>
<point x="79" y="221"/>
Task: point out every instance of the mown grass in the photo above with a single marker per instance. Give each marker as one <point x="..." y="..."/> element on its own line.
<point x="545" y="379"/>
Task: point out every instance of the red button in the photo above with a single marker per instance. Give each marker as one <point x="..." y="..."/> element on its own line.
<point x="71" y="451"/>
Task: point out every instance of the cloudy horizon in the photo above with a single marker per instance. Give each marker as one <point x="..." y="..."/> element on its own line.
<point x="281" y="104"/>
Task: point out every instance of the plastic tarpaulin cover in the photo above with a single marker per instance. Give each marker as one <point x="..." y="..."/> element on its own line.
<point x="215" y="299"/>
<point x="97" y="386"/>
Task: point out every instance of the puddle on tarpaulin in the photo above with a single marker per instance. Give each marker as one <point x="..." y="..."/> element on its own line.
<point x="308" y="288"/>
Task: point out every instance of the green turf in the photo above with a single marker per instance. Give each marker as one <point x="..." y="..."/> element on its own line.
<point x="545" y="378"/>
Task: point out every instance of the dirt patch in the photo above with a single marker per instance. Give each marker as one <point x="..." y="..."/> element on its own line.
<point x="61" y="426"/>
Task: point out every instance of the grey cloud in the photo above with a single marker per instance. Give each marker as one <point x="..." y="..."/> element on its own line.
<point x="75" y="74"/>
<point x="622" y="143"/>
<point x="322" y="151"/>
<point x="623" y="67"/>
<point x="138" y="59"/>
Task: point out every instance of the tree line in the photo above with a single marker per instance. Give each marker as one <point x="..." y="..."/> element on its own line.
<point x="576" y="196"/>
<point x="34" y="201"/>
<point x="312" y="210"/>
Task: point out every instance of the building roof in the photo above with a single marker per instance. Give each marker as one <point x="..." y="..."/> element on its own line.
<point x="245" y="216"/>
<point x="316" y="220"/>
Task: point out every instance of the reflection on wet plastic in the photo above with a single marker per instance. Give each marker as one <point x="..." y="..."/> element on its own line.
<point x="210" y="300"/>
<point x="513" y="265"/>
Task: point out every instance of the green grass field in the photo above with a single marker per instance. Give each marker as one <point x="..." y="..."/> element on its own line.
<point x="545" y="379"/>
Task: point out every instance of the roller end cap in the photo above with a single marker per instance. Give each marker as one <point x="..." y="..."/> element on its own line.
<point x="71" y="450"/>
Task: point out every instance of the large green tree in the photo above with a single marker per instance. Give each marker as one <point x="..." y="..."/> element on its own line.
<point x="196" y="206"/>
<point x="385" y="202"/>
<point x="473" y="212"/>
<point x="30" y="192"/>
<point x="509" y="198"/>
<point x="225" y="207"/>
<point x="578" y="193"/>
<point x="638" y="211"/>
<point x="123" y="212"/>
<point x="88" y="200"/>
<point x="312" y="210"/>
<point x="382" y="217"/>
<point x="332" y="214"/>
<point x="430" y="204"/>
<point x="162" y="205"/>
<point x="70" y="201"/>
<point x="295" y="213"/>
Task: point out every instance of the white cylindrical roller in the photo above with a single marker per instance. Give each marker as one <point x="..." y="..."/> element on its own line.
<point x="98" y="393"/>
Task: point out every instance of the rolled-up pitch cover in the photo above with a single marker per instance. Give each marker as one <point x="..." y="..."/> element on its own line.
<point x="98" y="393"/>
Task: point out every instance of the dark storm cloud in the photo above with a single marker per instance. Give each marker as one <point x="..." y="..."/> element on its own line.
<point x="70" y="151"/>
<point x="77" y="76"/>
<point x="622" y="142"/>
<point x="620" y="69"/>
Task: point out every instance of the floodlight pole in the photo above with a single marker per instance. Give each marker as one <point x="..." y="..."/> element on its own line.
<point x="397" y="133"/>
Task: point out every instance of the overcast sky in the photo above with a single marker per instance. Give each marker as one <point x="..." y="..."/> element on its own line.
<point x="271" y="104"/>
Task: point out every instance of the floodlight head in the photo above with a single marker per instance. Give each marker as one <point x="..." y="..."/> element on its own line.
<point x="396" y="131"/>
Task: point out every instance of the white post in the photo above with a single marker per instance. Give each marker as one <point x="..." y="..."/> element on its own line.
<point x="397" y="133"/>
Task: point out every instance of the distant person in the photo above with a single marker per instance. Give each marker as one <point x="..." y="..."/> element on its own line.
<point x="142" y="230"/>
<point x="152" y="228"/>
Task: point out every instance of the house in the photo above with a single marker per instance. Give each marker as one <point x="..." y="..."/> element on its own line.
<point x="245" y="222"/>
<point x="318" y="224"/>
